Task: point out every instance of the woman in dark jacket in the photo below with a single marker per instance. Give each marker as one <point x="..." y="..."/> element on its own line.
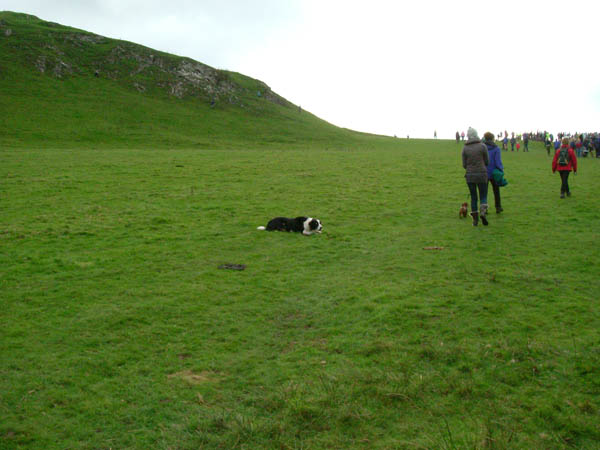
<point x="495" y="163"/>
<point x="475" y="160"/>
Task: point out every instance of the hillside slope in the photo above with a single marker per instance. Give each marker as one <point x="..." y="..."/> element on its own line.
<point x="63" y="87"/>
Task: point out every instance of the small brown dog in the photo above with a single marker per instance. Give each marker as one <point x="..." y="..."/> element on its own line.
<point x="462" y="212"/>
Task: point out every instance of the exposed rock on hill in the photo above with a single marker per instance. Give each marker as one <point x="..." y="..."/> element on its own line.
<point x="59" y="51"/>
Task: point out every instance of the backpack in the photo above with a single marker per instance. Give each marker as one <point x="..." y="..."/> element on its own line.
<point x="563" y="157"/>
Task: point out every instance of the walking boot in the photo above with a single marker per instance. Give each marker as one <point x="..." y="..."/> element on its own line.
<point x="499" y="209"/>
<point x="475" y="216"/>
<point x="483" y="213"/>
<point x="562" y="195"/>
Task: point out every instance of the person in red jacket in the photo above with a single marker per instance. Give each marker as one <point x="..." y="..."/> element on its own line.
<point x="564" y="161"/>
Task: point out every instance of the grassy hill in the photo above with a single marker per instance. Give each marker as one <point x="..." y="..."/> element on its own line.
<point x="63" y="87"/>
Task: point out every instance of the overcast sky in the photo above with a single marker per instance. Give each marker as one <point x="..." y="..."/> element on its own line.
<point x="387" y="67"/>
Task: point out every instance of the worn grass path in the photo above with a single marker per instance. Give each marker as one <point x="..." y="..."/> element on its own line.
<point x="120" y="331"/>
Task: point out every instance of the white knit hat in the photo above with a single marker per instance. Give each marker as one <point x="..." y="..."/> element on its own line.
<point x="472" y="134"/>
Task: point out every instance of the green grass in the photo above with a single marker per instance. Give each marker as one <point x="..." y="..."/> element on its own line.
<point x="120" y="331"/>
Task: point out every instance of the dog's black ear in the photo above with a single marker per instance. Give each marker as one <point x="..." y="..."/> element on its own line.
<point x="314" y="224"/>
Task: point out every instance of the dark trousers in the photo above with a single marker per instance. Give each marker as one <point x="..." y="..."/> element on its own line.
<point x="496" y="190"/>
<point x="473" y="188"/>
<point x="564" y="178"/>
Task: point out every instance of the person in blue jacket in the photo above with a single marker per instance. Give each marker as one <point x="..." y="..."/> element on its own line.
<point x="556" y="144"/>
<point x="495" y="163"/>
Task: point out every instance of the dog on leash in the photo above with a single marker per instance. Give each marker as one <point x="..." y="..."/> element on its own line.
<point x="462" y="212"/>
<point x="304" y="225"/>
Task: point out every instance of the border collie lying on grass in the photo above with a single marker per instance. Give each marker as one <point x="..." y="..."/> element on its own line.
<point x="305" y="225"/>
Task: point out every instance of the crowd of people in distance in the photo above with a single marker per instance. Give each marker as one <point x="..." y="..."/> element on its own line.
<point x="482" y="161"/>
<point x="584" y="144"/>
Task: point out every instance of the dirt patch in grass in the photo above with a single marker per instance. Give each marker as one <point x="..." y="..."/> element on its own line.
<point x="194" y="378"/>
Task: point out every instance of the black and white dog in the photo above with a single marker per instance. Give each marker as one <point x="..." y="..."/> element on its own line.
<point x="304" y="225"/>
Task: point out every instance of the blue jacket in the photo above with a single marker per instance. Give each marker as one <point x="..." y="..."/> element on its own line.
<point x="495" y="161"/>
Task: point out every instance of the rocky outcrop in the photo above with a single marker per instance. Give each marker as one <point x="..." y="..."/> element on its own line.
<point x="57" y="67"/>
<point x="4" y="29"/>
<point x="61" y="69"/>
<point x="65" y="52"/>
<point x="40" y="64"/>
<point x="85" y="38"/>
<point x="180" y="76"/>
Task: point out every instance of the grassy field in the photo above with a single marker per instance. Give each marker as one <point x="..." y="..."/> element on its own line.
<point x="119" y="329"/>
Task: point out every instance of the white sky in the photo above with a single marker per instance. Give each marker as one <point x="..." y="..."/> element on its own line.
<point x="389" y="67"/>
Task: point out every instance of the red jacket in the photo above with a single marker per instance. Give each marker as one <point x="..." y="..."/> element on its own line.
<point x="572" y="161"/>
